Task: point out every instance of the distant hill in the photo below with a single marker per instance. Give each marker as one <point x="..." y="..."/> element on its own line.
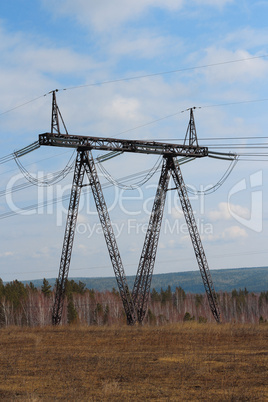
<point x="254" y="279"/>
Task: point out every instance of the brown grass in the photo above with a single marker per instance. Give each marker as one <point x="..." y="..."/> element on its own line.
<point x="188" y="362"/>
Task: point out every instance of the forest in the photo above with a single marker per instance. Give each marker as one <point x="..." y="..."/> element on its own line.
<point x="26" y="305"/>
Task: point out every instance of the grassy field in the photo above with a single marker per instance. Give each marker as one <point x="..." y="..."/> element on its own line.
<point x="189" y="362"/>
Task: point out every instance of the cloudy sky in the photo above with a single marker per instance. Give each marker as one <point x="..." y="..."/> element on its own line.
<point x="131" y="69"/>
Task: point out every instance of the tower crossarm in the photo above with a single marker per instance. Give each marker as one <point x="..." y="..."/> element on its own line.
<point x="196" y="239"/>
<point x="113" y="144"/>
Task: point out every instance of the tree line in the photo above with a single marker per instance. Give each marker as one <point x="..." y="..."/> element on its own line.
<point x="30" y="306"/>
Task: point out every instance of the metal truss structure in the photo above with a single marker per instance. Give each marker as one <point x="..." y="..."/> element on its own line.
<point x="196" y="239"/>
<point x="135" y="303"/>
<point x="79" y="173"/>
<point x="85" y="163"/>
<point x="110" y="238"/>
<point x="56" y="116"/>
<point x="118" y="145"/>
<point x="142" y="283"/>
<point x="191" y="135"/>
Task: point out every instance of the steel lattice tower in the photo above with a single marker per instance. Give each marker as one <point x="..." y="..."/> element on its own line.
<point x="135" y="303"/>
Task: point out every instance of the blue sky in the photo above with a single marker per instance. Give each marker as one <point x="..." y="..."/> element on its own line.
<point x="47" y="45"/>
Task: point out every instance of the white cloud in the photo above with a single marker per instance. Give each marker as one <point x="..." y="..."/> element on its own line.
<point x="144" y="44"/>
<point x="239" y="72"/>
<point x="83" y="249"/>
<point x="228" y="234"/>
<point x="223" y="212"/>
<point x="234" y="232"/>
<point x="105" y="14"/>
<point x="213" y="3"/>
<point x="21" y="51"/>
<point x="54" y="60"/>
<point x="247" y="38"/>
<point x="82" y="218"/>
<point x="44" y="252"/>
<point x="7" y="254"/>
<point x="28" y="70"/>
<point x="176" y="213"/>
<point x="106" y="110"/>
<point x="124" y="108"/>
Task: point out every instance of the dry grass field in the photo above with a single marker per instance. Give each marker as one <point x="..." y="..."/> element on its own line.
<point x="187" y="362"/>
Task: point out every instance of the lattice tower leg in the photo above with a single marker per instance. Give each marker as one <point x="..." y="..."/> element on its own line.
<point x="110" y="240"/>
<point x="142" y="284"/>
<point x="196" y="240"/>
<point x="68" y="237"/>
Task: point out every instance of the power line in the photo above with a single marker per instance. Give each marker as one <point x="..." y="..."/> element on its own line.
<point x="198" y="107"/>
<point x="49" y="179"/>
<point x="146" y="173"/>
<point x="233" y="138"/>
<point x="211" y="138"/>
<point x="135" y="185"/>
<point x="137" y="77"/>
<point x="33" y="163"/>
<point x="216" y="186"/>
<point x="66" y="197"/>
<point x="147" y="124"/>
<point x="26" y="185"/>
<point x="163" y="73"/>
<point x="23" y="104"/>
<point x="234" y="103"/>
<point x="241" y="146"/>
